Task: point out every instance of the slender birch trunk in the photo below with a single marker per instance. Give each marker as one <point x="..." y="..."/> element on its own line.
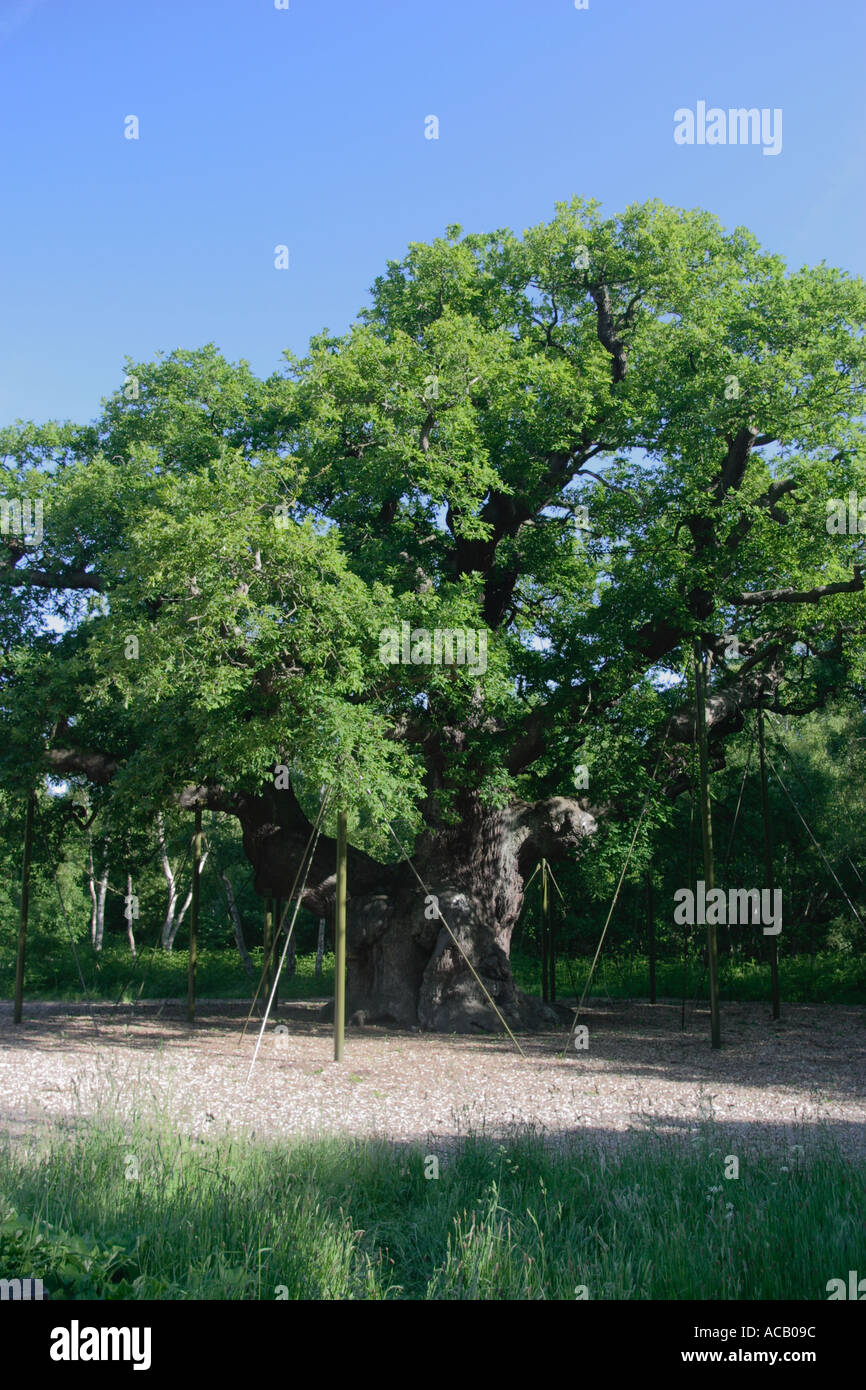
<point x="91" y="883"/>
<point x="169" y="929"/>
<point x="98" y="917"/>
<point x="178" y="923"/>
<point x="238" y="927"/>
<point x="130" y="936"/>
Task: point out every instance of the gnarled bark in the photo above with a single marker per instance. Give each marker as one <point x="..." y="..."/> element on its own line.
<point x="403" y="963"/>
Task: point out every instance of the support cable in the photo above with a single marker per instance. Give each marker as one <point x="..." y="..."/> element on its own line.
<point x="48" y="847"/>
<point x="815" y="843"/>
<point x="644" y="810"/>
<point x="777" y="736"/>
<point x="311" y="856"/>
<point x="472" y="969"/>
<point x="314" y="835"/>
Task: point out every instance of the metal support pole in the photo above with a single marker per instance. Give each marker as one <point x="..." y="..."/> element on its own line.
<point x="25" y="907"/>
<point x="551" y="930"/>
<point x="193" y="917"/>
<point x="545" y="928"/>
<point x="340" y="941"/>
<point x="268" y="943"/>
<point x="768" y="863"/>
<point x="320" y="947"/>
<point x="278" y="918"/>
<point x="707" y="832"/>
<point x="651" y="933"/>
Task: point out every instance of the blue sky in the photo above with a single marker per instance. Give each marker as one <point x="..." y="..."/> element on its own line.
<point x="305" y="127"/>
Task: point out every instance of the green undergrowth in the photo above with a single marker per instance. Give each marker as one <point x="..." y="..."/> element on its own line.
<point x="112" y="974"/>
<point x="827" y="978"/>
<point x="134" y="1212"/>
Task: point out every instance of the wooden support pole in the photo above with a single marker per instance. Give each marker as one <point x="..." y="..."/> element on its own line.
<point x="545" y="991"/>
<point x="193" y="917"/>
<point x="651" y="935"/>
<point x="340" y="940"/>
<point x="291" y="957"/>
<point x="320" y="947"/>
<point x="768" y="863"/>
<point x="278" y="917"/>
<point x="267" y="943"/>
<point x="25" y="907"/>
<point x="707" y="834"/>
<point x="551" y="929"/>
<point x="692" y="886"/>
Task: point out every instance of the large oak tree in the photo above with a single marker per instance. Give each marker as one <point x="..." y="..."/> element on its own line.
<point x="593" y="444"/>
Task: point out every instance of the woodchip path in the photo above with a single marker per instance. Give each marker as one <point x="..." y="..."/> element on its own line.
<point x="796" y="1080"/>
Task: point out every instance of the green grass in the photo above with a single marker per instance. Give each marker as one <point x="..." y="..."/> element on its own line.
<point x="335" y="1219"/>
<point x="827" y="978"/>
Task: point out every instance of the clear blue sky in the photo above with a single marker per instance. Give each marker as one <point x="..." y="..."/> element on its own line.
<point x="305" y="126"/>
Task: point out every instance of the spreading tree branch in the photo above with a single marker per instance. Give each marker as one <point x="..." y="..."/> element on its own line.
<point x="758" y="597"/>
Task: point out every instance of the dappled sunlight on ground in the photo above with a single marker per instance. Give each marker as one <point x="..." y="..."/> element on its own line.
<point x="799" y="1078"/>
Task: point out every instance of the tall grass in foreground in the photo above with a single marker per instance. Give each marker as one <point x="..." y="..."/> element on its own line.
<point x="334" y="1219"/>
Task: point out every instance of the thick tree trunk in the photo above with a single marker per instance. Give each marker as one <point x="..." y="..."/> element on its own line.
<point x="403" y="964"/>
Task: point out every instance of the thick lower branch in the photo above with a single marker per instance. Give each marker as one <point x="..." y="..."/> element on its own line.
<point x="758" y="597"/>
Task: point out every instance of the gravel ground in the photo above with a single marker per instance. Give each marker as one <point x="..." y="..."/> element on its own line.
<point x="770" y="1083"/>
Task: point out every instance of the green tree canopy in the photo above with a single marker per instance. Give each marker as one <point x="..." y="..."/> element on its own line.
<point x="661" y="379"/>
